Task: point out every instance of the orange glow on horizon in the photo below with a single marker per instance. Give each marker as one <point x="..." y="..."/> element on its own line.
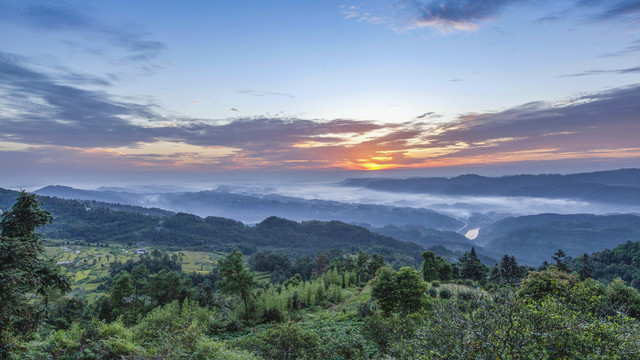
<point x="374" y="166"/>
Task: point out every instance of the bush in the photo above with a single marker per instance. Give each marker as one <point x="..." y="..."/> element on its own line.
<point x="174" y="329"/>
<point x="435" y="284"/>
<point x="445" y="293"/>
<point x="621" y="298"/>
<point x="272" y="315"/>
<point x="385" y="331"/>
<point x="432" y="292"/>
<point x="287" y="341"/>
<point x="367" y="308"/>
<point x="209" y="349"/>
<point x="466" y="295"/>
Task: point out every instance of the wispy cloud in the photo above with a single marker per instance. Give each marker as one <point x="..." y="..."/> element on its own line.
<point x="55" y="17"/>
<point x="632" y="70"/>
<point x="264" y="93"/>
<point x="610" y="9"/>
<point x="449" y="16"/>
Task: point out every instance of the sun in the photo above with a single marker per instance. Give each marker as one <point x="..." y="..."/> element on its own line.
<point x="374" y="166"/>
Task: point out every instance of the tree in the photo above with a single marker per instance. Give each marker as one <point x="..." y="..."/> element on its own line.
<point x="402" y="291"/>
<point x="508" y="269"/>
<point x="586" y="268"/>
<point x="559" y="258"/>
<point x="385" y="290"/>
<point x="411" y="290"/>
<point x="430" y="266"/>
<point x="235" y="278"/>
<point x="471" y="267"/>
<point x="23" y="275"/>
<point x="362" y="265"/>
<point x="435" y="267"/>
<point x="121" y="296"/>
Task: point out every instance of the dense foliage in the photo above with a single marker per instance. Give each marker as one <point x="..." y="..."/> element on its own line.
<point x="341" y="305"/>
<point x="621" y="262"/>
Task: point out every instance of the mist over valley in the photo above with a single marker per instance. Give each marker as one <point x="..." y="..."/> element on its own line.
<point x="427" y="211"/>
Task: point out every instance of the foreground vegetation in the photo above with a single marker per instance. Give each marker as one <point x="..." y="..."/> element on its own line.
<point x="335" y="305"/>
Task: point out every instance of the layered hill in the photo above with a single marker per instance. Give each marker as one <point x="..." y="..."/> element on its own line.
<point x="96" y="222"/>
<point x="253" y="208"/>
<point x="617" y="186"/>
<point x="534" y="239"/>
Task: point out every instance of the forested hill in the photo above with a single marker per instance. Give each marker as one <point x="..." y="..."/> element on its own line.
<point x="96" y="222"/>
<point x="618" y="186"/>
<point x="64" y="208"/>
<point x="255" y="208"/>
<point x="620" y="262"/>
<point x="533" y="239"/>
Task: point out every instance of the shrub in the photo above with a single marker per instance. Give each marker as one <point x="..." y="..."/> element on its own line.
<point x="287" y="341"/>
<point x="435" y="284"/>
<point x="445" y="293"/>
<point x="366" y="308"/>
<point x="622" y="298"/>
<point x="466" y="295"/>
<point x="209" y="349"/>
<point x="432" y="292"/>
<point x="272" y="315"/>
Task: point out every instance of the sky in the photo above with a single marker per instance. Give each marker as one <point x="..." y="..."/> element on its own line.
<point x="173" y="91"/>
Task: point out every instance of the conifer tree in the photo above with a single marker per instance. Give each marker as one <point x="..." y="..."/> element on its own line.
<point x="23" y="274"/>
<point x="559" y="257"/>
<point x="586" y="268"/>
<point x="471" y="267"/>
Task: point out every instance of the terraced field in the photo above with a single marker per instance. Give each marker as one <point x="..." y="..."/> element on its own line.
<point x="88" y="266"/>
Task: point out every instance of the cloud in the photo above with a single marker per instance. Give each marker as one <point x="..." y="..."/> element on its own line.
<point x="264" y="93"/>
<point x="449" y="16"/>
<point x="54" y="17"/>
<point x="39" y="109"/>
<point x="632" y="70"/>
<point x="46" y="114"/>
<point x="589" y="126"/>
<point x="458" y="14"/>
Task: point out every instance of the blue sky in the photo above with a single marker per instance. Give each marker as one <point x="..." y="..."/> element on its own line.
<point x="156" y="89"/>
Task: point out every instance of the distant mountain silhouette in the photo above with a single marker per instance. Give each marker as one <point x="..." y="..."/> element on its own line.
<point x="616" y="186"/>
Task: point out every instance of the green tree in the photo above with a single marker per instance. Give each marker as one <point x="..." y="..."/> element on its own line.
<point x="585" y="269"/>
<point x="508" y="270"/>
<point x="430" y="266"/>
<point x="560" y="257"/>
<point x="445" y="270"/>
<point x="402" y="291"/>
<point x="435" y="267"/>
<point x="411" y="289"/>
<point x="121" y="296"/>
<point x="165" y="287"/>
<point x="236" y="279"/>
<point x="385" y="290"/>
<point x="23" y="275"/>
<point x="471" y="267"/>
